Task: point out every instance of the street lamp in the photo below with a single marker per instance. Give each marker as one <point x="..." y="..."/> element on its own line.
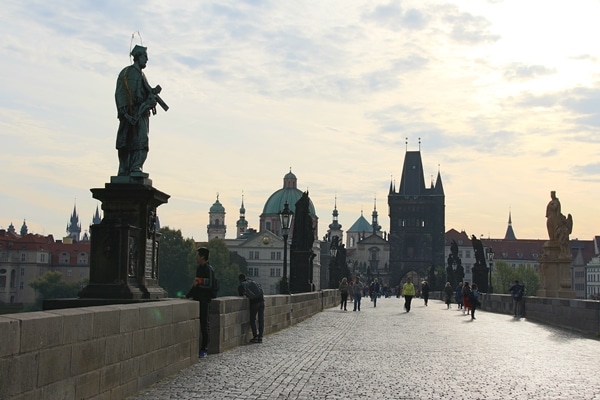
<point x="333" y="250"/>
<point x="490" y="257"/>
<point x="285" y="217"/>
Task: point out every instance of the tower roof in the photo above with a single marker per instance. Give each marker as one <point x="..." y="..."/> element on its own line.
<point x="413" y="181"/>
<point x="217" y="207"/>
<point x="361" y="225"/>
<point x="510" y="234"/>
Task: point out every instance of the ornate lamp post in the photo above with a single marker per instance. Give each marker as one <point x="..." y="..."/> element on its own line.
<point x="333" y="250"/>
<point x="490" y="257"/>
<point x="285" y="217"/>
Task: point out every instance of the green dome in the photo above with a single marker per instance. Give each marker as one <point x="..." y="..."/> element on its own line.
<point x="289" y="193"/>
<point x="217" y="207"/>
<point x="277" y="200"/>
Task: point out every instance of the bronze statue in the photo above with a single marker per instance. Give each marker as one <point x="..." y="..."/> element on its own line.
<point x="135" y="99"/>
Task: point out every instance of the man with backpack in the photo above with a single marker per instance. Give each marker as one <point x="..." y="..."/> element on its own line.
<point x="203" y="290"/>
<point x="254" y="293"/>
<point x="518" y="291"/>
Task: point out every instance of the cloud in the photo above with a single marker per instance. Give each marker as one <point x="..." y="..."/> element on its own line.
<point x="392" y="16"/>
<point x="467" y="28"/>
<point x="519" y="71"/>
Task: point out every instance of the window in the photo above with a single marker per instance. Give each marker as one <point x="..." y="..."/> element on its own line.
<point x="21" y="285"/>
<point x="82" y="258"/>
<point x="256" y="255"/>
<point x="69" y="272"/>
<point x="467" y="253"/>
<point x="43" y="257"/>
<point x="23" y="257"/>
<point x="22" y="271"/>
<point x="272" y="255"/>
<point x="279" y="255"/>
<point x="64" y="258"/>
<point x="268" y="225"/>
<point x="275" y="271"/>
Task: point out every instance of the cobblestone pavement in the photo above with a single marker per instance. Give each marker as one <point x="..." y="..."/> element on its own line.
<point x="386" y="353"/>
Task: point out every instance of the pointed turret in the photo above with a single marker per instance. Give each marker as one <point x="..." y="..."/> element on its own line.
<point x="241" y="224"/>
<point x="24" y="229"/>
<point x="374" y="219"/>
<point x="439" y="187"/>
<point x="335" y="228"/>
<point x="413" y="181"/>
<point x="73" y="226"/>
<point x="96" y="219"/>
<point x="510" y="234"/>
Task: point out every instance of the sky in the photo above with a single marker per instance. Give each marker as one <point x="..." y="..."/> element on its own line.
<point x="501" y="97"/>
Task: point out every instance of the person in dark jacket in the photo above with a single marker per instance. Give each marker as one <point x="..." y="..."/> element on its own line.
<point x="202" y="291"/>
<point x="448" y="292"/>
<point x="257" y="307"/>
<point x="425" y="292"/>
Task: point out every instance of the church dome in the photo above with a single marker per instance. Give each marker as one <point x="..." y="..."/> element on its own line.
<point x="217" y="207"/>
<point x="289" y="193"/>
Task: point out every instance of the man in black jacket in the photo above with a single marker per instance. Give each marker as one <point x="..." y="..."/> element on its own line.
<point x="202" y="291"/>
<point x="254" y="292"/>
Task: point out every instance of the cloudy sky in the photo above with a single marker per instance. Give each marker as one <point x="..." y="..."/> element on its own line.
<point x="504" y="97"/>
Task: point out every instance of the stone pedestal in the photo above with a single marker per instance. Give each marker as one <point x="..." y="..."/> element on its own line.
<point x="301" y="271"/>
<point x="555" y="273"/>
<point x="480" y="277"/>
<point x="125" y="245"/>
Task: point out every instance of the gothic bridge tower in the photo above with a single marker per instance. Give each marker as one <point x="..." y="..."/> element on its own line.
<point x="417" y="222"/>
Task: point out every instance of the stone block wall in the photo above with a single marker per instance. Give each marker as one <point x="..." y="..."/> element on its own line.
<point x="105" y="352"/>
<point x="113" y="351"/>
<point x="576" y="314"/>
<point x="230" y="316"/>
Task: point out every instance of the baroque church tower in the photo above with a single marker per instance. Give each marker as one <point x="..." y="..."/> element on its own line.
<point x="241" y="225"/>
<point x="216" y="228"/>
<point x="417" y="221"/>
<point x="335" y="228"/>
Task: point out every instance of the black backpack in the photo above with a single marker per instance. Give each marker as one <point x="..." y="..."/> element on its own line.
<point x="252" y="290"/>
<point x="518" y="292"/>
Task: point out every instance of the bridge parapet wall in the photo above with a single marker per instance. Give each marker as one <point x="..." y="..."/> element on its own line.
<point x="113" y="351"/>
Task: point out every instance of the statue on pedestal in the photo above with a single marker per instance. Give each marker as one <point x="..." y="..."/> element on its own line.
<point x="555" y="262"/>
<point x="559" y="227"/>
<point x="135" y="100"/>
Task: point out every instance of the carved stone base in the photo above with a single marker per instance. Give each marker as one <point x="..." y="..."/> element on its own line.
<point x="125" y="245"/>
<point x="555" y="273"/>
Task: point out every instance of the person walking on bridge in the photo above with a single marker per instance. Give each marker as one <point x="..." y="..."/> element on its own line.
<point x="344" y="293"/>
<point x="358" y="292"/>
<point x="425" y="292"/>
<point x="408" y="291"/>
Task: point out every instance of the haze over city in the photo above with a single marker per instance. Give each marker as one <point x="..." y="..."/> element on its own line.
<point x="501" y="97"/>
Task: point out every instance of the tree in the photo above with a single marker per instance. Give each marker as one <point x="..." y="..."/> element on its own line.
<point x="177" y="262"/>
<point x="529" y="277"/>
<point x="504" y="275"/>
<point x="227" y="266"/>
<point x="51" y="286"/>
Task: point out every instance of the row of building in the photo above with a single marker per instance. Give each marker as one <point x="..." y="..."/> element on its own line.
<point x="417" y="240"/>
